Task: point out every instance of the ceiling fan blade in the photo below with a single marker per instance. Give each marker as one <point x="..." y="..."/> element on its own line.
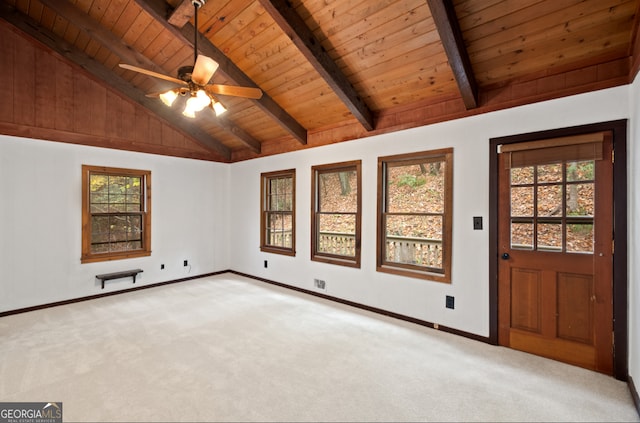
<point x="151" y="73"/>
<point x="203" y="70"/>
<point x="247" y="92"/>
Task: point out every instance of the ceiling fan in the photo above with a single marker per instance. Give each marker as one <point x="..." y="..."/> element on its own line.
<point x="194" y="80"/>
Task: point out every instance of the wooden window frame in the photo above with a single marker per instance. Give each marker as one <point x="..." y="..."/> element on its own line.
<point x="264" y="196"/>
<point x="421" y="272"/>
<point x="316" y="171"/>
<point x="87" y="255"/>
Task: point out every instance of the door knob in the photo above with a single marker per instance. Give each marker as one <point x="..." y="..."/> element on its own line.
<point x="505" y="256"/>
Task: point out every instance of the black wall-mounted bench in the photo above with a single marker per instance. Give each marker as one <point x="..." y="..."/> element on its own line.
<point x="119" y="275"/>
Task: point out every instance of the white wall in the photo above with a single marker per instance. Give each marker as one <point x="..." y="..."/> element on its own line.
<point x="208" y="213"/>
<point x="40" y="221"/>
<point x="633" y="180"/>
<point x="408" y="296"/>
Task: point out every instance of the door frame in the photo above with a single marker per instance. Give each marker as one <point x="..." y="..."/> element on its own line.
<point x="620" y="315"/>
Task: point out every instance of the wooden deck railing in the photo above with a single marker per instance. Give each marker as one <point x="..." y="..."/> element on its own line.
<point x="420" y="251"/>
<point x="342" y="244"/>
<point x="280" y="238"/>
<point x="410" y="250"/>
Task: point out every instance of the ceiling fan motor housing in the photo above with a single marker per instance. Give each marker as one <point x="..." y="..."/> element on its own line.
<point x="184" y="73"/>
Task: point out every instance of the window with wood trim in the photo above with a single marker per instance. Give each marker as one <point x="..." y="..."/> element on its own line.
<point x="552" y="190"/>
<point x="277" y="212"/>
<point x="116" y="213"/>
<point x="336" y="213"/>
<point x="415" y="198"/>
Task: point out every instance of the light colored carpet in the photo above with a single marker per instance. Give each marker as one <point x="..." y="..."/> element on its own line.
<point x="227" y="348"/>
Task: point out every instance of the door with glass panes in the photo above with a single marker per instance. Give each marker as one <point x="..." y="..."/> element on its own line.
<point x="555" y="239"/>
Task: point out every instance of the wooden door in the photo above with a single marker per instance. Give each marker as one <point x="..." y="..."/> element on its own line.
<point x="555" y="235"/>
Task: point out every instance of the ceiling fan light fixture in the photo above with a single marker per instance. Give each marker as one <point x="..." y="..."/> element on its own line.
<point x="218" y="108"/>
<point x="196" y="103"/>
<point x="203" y="99"/>
<point x="203" y="70"/>
<point x="168" y="97"/>
<point x="191" y="107"/>
<point x="189" y="112"/>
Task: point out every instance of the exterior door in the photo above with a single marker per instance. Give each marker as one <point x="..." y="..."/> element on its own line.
<point x="555" y="241"/>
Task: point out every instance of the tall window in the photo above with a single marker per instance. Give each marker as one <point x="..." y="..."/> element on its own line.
<point x="277" y="217"/>
<point x="335" y="216"/>
<point x="415" y="213"/>
<point x="116" y="213"/>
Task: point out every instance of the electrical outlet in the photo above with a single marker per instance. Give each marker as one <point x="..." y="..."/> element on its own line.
<point x="477" y="223"/>
<point x="185" y="263"/>
<point x="162" y="267"/>
<point x="319" y="283"/>
<point x="450" y="302"/>
<point x="265" y="264"/>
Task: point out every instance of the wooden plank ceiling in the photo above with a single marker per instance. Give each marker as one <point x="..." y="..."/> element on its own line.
<point x="330" y="70"/>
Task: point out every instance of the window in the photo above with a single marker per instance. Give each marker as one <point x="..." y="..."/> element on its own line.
<point x="553" y="195"/>
<point x="277" y="217"/>
<point x="414" y="214"/>
<point x="335" y="217"/>
<point x="116" y="213"/>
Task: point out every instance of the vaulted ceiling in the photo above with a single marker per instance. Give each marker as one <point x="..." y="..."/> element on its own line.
<point x="330" y="70"/>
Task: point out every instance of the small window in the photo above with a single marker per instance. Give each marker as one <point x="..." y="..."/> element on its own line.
<point x="116" y="213"/>
<point x="277" y="215"/>
<point x="414" y="214"/>
<point x="336" y="215"/>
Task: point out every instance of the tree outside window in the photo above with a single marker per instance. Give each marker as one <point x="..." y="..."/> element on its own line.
<point x="277" y="215"/>
<point x="116" y="213"/>
<point x="415" y="214"/>
<point x="336" y="213"/>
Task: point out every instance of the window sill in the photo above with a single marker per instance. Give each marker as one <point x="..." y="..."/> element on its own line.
<point x="274" y="250"/>
<point x="94" y="258"/>
<point x="337" y="261"/>
<point x="435" y="277"/>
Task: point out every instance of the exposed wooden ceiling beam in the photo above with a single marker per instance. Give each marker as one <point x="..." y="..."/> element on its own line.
<point x="296" y="29"/>
<point x="241" y="134"/>
<point x="182" y="14"/>
<point x="444" y="16"/>
<point x="110" y="78"/>
<point x="159" y="10"/>
<point x="127" y="54"/>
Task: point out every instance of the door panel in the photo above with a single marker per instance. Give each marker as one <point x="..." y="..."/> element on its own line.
<point x="575" y="307"/>
<point x="555" y="279"/>
<point x="526" y="299"/>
